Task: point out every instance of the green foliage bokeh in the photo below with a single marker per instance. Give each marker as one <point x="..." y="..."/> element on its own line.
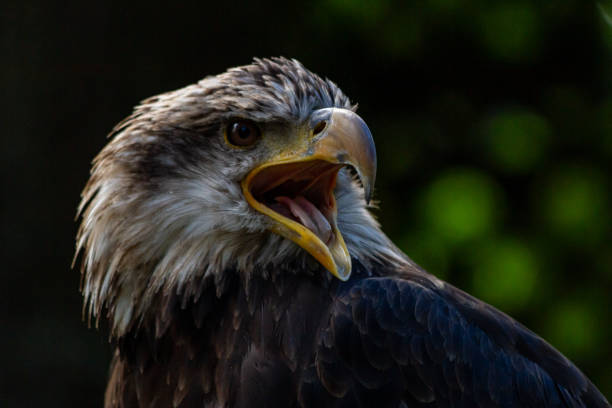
<point x="507" y="198"/>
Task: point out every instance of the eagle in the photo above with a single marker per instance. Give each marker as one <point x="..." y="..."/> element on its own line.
<point x="227" y="243"/>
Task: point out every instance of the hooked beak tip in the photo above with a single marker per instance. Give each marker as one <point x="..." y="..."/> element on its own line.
<point x="349" y="140"/>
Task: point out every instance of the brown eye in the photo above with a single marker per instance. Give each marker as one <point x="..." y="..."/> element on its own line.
<point x="243" y="133"/>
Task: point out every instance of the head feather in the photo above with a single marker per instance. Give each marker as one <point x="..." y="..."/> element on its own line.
<point x="163" y="211"/>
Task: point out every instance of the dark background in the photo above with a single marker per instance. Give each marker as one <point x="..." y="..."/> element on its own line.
<point x="493" y="121"/>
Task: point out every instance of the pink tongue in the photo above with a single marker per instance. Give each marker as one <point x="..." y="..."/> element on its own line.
<point x="309" y="216"/>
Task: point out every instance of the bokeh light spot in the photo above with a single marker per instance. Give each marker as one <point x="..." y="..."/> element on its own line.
<point x="505" y="274"/>
<point x="573" y="328"/>
<point x="576" y="205"/>
<point x="515" y="141"/>
<point x="509" y="30"/>
<point x="462" y="205"/>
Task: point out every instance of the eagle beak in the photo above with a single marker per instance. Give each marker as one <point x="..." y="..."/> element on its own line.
<point x="295" y="187"/>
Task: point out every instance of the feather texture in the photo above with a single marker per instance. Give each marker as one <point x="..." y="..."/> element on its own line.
<point x="389" y="338"/>
<point x="208" y="308"/>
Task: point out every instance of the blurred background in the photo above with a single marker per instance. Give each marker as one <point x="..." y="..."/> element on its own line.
<point x="493" y="121"/>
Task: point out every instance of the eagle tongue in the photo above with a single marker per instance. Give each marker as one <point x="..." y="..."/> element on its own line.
<point x="323" y="227"/>
<point x="309" y="216"/>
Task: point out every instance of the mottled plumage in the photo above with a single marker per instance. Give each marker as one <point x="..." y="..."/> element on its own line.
<point x="210" y="307"/>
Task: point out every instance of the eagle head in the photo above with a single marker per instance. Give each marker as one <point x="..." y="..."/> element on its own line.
<point x="263" y="169"/>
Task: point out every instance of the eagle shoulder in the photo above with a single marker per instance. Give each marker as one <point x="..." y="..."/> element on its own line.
<point x="413" y="340"/>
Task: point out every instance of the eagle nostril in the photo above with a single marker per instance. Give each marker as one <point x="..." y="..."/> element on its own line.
<point x="319" y="127"/>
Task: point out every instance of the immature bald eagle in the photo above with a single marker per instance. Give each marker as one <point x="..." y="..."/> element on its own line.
<point x="233" y="254"/>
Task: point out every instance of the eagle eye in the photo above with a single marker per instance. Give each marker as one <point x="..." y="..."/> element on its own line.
<point x="242" y="133"/>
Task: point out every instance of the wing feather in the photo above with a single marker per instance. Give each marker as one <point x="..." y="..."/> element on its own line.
<point x="444" y="347"/>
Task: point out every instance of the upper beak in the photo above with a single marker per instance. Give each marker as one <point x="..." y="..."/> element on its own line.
<point x="346" y="140"/>
<point x="302" y="177"/>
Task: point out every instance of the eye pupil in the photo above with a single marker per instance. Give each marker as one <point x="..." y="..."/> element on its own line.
<point x="242" y="133"/>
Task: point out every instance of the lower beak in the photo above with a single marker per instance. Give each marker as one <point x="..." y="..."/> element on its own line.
<point x="295" y="187"/>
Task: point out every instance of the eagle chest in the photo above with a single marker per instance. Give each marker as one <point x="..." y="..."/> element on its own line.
<point x="248" y="348"/>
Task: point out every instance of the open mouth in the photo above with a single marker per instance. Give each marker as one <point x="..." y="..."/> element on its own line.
<point x="301" y="192"/>
<point x="294" y="186"/>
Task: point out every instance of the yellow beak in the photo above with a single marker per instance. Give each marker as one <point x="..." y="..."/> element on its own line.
<point x="295" y="187"/>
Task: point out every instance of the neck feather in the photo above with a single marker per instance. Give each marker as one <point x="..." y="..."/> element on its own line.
<point x="180" y="256"/>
